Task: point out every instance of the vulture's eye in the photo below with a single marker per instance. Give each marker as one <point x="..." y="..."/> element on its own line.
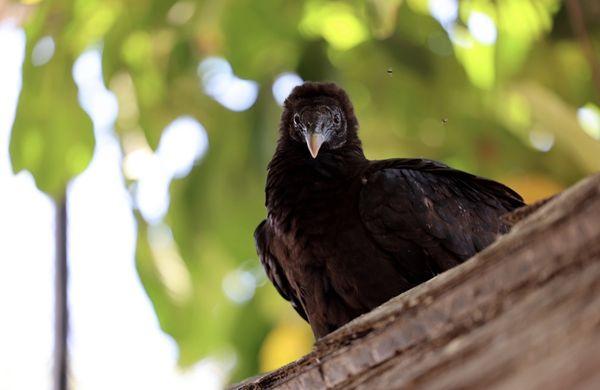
<point x="297" y="119"/>
<point x="337" y="119"/>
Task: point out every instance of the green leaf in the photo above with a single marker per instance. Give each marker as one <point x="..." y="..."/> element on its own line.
<point x="383" y="15"/>
<point x="150" y="66"/>
<point x="52" y="136"/>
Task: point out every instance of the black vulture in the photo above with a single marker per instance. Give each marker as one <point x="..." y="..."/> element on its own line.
<point x="343" y="234"/>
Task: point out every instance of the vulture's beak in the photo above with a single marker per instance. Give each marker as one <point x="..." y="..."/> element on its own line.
<point x="314" y="142"/>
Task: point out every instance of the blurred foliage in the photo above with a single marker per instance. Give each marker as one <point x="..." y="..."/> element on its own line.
<point x="52" y="135"/>
<point x="493" y="88"/>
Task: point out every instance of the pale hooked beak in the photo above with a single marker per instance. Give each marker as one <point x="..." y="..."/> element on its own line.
<point x="314" y="142"/>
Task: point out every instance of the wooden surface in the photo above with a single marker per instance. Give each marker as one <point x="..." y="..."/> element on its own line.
<point x="523" y="314"/>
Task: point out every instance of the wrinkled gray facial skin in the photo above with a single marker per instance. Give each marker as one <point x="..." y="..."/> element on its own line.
<point x="320" y="125"/>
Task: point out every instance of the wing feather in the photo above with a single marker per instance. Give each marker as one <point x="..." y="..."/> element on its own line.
<point x="430" y="217"/>
<point x="265" y="239"/>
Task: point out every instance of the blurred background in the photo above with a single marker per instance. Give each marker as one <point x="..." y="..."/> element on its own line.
<point x="154" y="121"/>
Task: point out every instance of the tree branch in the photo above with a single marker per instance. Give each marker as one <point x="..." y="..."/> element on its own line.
<point x="524" y="313"/>
<point x="61" y="320"/>
<point x="578" y="25"/>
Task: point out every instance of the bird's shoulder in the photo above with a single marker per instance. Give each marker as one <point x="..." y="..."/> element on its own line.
<point x="421" y="174"/>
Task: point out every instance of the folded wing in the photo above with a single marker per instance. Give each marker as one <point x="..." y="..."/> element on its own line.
<point x="429" y="217"/>
<point x="266" y="242"/>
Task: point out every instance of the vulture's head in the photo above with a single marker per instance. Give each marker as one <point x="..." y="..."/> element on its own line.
<point x="319" y="115"/>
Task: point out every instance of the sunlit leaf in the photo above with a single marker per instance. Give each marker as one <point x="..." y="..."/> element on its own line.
<point x="520" y="24"/>
<point x="383" y="15"/>
<point x="337" y="22"/>
<point x="477" y="58"/>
